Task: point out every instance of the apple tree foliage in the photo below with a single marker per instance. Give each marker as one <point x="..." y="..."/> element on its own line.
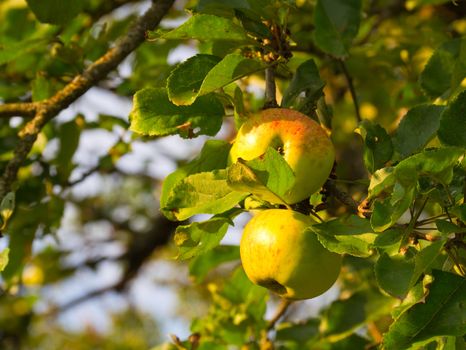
<point x="386" y="78"/>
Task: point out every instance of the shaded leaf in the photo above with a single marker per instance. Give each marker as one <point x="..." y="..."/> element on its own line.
<point x="307" y="79"/>
<point x="344" y="316"/>
<point x="185" y="80"/>
<point x="336" y="24"/>
<point x="153" y="114"/>
<point x="394" y="273"/>
<point x="452" y="129"/>
<point x="378" y="147"/>
<point x="55" y="11"/>
<point x="442" y="314"/>
<point x="202" y="193"/>
<point x="417" y="128"/>
<point x="445" y="69"/>
<point x="203" y="263"/>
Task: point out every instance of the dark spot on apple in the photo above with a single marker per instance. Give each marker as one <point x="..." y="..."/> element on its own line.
<point x="273" y="285"/>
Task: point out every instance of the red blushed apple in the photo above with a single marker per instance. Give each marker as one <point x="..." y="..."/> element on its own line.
<point x="301" y="141"/>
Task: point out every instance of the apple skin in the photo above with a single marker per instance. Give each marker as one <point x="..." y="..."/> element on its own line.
<point x="303" y="143"/>
<point x="277" y="252"/>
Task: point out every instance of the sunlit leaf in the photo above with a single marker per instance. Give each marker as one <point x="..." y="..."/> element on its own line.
<point x="153" y="114"/>
<point x="202" y="193"/>
<point x="185" y="80"/>
<point x="209" y="27"/>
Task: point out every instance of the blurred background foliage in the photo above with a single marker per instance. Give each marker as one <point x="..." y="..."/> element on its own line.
<point x="87" y="231"/>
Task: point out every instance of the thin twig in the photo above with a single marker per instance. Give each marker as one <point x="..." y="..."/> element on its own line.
<point x="81" y="83"/>
<point x="20" y="109"/>
<point x="281" y="310"/>
<point x="343" y="197"/>
<point x="351" y="88"/>
<point x="270" y="88"/>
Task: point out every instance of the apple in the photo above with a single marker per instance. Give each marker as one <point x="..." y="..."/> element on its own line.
<point x="301" y="141"/>
<point x="280" y="253"/>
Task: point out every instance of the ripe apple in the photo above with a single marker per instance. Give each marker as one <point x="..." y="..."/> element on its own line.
<point x="303" y="143"/>
<point x="277" y="252"/>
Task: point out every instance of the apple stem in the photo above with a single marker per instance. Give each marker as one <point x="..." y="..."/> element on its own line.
<point x="270" y="88"/>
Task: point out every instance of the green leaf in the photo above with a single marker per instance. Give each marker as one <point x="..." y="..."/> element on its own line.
<point x="452" y="129"/>
<point x="202" y="264"/>
<point x="232" y="67"/>
<point x="445" y="70"/>
<point x="344" y="316"/>
<point x="4" y="259"/>
<point x="394" y="273"/>
<point x="269" y="176"/>
<point x="417" y="128"/>
<point x="202" y="193"/>
<point x="409" y="268"/>
<point x="460" y="211"/>
<point x="154" y="115"/>
<point x="437" y="163"/>
<point x="307" y="79"/>
<point x="355" y="245"/>
<point x="6" y="208"/>
<point x="336" y="24"/>
<point x="381" y="180"/>
<point x="185" y="80"/>
<point x="55" y="11"/>
<point x="199" y="237"/>
<point x="214" y="155"/>
<point x="13" y="51"/>
<point x="378" y="147"/>
<point x="447" y="227"/>
<point x="346" y="235"/>
<point x="209" y="27"/>
<point x="387" y="212"/>
<point x="442" y="314"/>
<point x="345" y="225"/>
<point x="299" y="333"/>
<point x="68" y="134"/>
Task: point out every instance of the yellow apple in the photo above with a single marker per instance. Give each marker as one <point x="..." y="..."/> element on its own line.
<point x="279" y="252"/>
<point x="300" y="140"/>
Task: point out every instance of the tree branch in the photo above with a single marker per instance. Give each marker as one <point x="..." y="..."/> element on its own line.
<point x="270" y="88"/>
<point x="23" y="109"/>
<point x="281" y="310"/>
<point x="351" y="88"/>
<point x="97" y="71"/>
